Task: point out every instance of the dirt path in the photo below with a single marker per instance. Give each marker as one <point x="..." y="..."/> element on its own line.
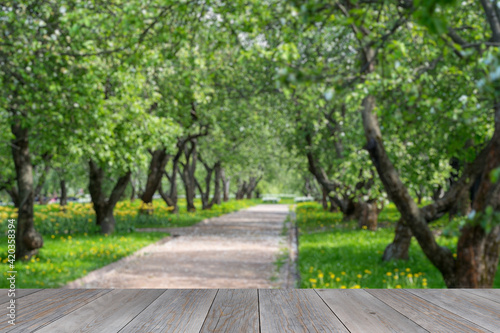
<point x="236" y="250"/>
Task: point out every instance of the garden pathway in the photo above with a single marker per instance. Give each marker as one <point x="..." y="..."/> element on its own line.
<point x="236" y="250"/>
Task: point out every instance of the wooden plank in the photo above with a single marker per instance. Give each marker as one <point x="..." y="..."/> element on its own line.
<point x="42" y="308"/>
<point x="4" y="294"/>
<point x="361" y="312"/>
<point x="429" y="316"/>
<point x="108" y="313"/>
<point x="491" y="294"/>
<point x="33" y="298"/>
<point x="233" y="310"/>
<point x="477" y="309"/>
<point x="296" y="310"/>
<point x="177" y="310"/>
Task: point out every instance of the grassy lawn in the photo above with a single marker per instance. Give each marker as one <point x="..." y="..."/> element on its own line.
<point x="335" y="254"/>
<point x="73" y="245"/>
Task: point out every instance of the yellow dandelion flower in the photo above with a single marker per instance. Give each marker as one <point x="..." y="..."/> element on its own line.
<point x="313" y="280"/>
<point x="320" y="275"/>
<point x="408" y="270"/>
<point x="342" y="287"/>
<point x="337" y="279"/>
<point x="359" y="276"/>
<point x="367" y="271"/>
<point x="398" y="286"/>
<point x="388" y="274"/>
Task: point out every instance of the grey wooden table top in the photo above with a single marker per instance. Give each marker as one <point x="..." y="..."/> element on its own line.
<point x="251" y="310"/>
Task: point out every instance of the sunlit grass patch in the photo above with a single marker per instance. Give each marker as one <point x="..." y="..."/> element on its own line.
<point x="335" y="254"/>
<point x="352" y="258"/>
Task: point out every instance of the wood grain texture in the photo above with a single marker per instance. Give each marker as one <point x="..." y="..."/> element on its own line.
<point x="233" y="310"/>
<point x="361" y="312"/>
<point x="108" y="313"/>
<point x="4" y="294"/>
<point x="296" y="310"/>
<point x="176" y="310"/>
<point x="491" y="294"/>
<point x="431" y="317"/>
<point x="477" y="309"/>
<point x="42" y="308"/>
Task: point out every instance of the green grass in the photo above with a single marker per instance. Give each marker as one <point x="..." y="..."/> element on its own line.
<point x="335" y="254"/>
<point x="66" y="258"/>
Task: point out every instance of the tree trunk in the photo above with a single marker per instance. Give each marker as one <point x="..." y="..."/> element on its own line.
<point x="218" y="178"/>
<point x="242" y="189"/>
<point x="171" y="198"/>
<point x="187" y="176"/>
<point x="28" y="240"/>
<point x="367" y="215"/>
<point x="103" y="206"/>
<point x="225" y="186"/>
<point x="400" y="246"/>
<point x="156" y="169"/>
<point x="205" y="194"/>
<point x="350" y="209"/>
<point x="462" y="206"/>
<point x="333" y="205"/>
<point x="63" y="199"/>
<point x="324" y="201"/>
<point x="132" y="195"/>
<point x="252" y="184"/>
<point x="477" y="250"/>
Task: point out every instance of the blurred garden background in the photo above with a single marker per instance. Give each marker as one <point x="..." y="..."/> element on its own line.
<point x="377" y="122"/>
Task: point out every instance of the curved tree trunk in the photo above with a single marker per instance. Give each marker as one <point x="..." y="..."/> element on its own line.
<point x="252" y="184"/>
<point x="103" y="206"/>
<point x="156" y="169"/>
<point x="28" y="240"/>
<point x="205" y="194"/>
<point x="400" y="246"/>
<point x="171" y="198"/>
